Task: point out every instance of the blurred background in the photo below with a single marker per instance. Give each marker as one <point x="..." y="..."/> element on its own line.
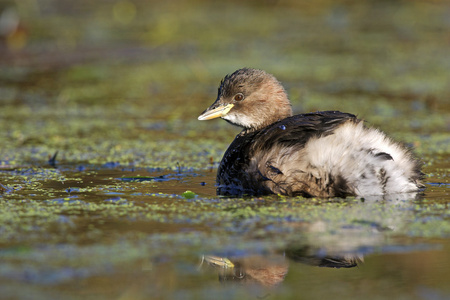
<point x="113" y="70"/>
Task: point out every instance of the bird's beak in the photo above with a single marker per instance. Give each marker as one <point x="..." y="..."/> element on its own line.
<point x="217" y="112"/>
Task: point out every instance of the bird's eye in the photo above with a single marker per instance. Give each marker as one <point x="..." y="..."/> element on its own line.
<point x="239" y="97"/>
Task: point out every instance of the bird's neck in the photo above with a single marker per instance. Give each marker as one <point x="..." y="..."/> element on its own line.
<point x="275" y="108"/>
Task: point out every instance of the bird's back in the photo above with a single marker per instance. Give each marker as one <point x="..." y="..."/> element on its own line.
<point x="324" y="154"/>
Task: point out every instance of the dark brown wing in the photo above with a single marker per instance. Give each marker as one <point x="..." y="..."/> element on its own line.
<point x="236" y="176"/>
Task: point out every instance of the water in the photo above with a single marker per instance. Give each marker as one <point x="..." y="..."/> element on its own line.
<point x="127" y="208"/>
<point x="103" y="236"/>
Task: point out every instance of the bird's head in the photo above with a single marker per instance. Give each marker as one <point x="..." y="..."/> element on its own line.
<point x="249" y="98"/>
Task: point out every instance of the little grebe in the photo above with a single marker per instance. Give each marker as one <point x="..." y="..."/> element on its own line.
<point x="321" y="154"/>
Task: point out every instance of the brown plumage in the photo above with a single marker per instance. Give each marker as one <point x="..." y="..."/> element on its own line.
<point x="323" y="154"/>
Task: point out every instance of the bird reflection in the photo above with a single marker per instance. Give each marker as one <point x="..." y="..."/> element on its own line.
<point x="256" y="269"/>
<point x="329" y="261"/>
<point x="270" y="270"/>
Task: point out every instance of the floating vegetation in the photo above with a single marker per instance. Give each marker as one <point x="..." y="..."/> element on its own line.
<point x="189" y="195"/>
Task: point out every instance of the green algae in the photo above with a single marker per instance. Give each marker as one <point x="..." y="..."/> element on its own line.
<point x="189" y="195"/>
<point x="237" y="216"/>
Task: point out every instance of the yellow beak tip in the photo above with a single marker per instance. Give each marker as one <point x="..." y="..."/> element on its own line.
<point x="216" y="113"/>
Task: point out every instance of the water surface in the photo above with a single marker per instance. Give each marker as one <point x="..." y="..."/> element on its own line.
<point x="127" y="207"/>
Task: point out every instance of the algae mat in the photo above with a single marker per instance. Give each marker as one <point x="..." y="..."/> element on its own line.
<point x="107" y="178"/>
